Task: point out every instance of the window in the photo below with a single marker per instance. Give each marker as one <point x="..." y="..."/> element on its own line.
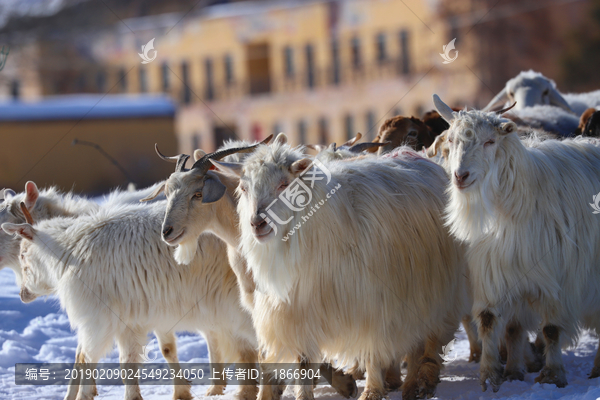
<point x="335" y="61"/>
<point x="100" y="81"/>
<point x="228" y="69"/>
<point x="143" y="76"/>
<point x="196" y="141"/>
<point x="349" y="126"/>
<point x="404" y="53"/>
<point x="370" y="129"/>
<point x="355" y="44"/>
<point x="164" y="71"/>
<point x="15" y="89"/>
<point x="310" y="66"/>
<point x="302" y="131"/>
<point x="288" y="59"/>
<point x="210" y="86"/>
<point x="187" y="92"/>
<point x="276" y="128"/>
<point x="381" y="48"/>
<point x="323" y="131"/>
<point x="123" y="80"/>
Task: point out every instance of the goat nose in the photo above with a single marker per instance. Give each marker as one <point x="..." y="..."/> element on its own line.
<point x="167" y="230"/>
<point x="257" y="221"/>
<point x="460" y="178"/>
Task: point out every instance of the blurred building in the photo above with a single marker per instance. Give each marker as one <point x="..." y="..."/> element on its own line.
<point x="116" y="136"/>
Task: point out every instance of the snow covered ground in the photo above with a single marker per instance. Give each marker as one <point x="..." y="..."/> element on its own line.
<point x="40" y="332"/>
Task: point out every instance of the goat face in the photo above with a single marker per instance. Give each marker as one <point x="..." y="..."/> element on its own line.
<point x="11" y="213"/>
<point x="190" y="205"/>
<point x="473" y="140"/>
<point x="529" y="89"/>
<point x="265" y="176"/>
<point x="404" y="131"/>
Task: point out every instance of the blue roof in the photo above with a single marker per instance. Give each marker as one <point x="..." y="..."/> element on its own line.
<point x="83" y="106"/>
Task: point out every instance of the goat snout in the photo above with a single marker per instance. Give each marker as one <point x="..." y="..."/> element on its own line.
<point x="258" y="222"/>
<point x="461" y="177"/>
<point x="167" y="230"/>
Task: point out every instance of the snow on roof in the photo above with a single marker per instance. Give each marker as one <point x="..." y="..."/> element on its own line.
<point x="87" y="107"/>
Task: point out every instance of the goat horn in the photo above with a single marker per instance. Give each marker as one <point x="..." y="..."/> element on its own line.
<point x="353" y="140"/>
<point x="357" y="148"/>
<point x="500" y="112"/>
<point x="25" y="211"/>
<point x="181" y="159"/>
<point x="204" y="163"/>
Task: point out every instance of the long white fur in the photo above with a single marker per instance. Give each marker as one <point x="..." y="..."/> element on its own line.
<point x="117" y="280"/>
<point x="532" y="235"/>
<point x="368" y="277"/>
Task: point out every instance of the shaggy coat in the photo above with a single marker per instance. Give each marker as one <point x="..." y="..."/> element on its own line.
<point x="533" y="240"/>
<point x="117" y="280"/>
<point x="370" y="272"/>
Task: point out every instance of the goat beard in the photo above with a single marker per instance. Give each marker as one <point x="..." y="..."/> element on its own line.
<point x="185" y="252"/>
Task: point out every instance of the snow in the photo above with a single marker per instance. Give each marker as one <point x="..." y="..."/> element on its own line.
<point x="40" y="332"/>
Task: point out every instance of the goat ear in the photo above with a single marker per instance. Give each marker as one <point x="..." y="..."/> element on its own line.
<point x="437" y="143"/>
<point x="281" y="139"/>
<point x="299" y="166"/>
<point x="154" y="194"/>
<point x="213" y="190"/>
<point x="31" y="194"/>
<point x="445" y="111"/>
<point x="26" y="231"/>
<point x="507" y="127"/>
<point x="198" y="154"/>
<point x="557" y="100"/>
<point x="228" y="168"/>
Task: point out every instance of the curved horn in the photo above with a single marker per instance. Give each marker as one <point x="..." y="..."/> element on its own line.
<point x="25" y="211"/>
<point x="498" y="100"/>
<point x="181" y="159"/>
<point x="353" y="140"/>
<point x="557" y="100"/>
<point x="445" y="111"/>
<point x="500" y="112"/>
<point x="317" y="147"/>
<point x="358" y="148"/>
<point x="204" y="163"/>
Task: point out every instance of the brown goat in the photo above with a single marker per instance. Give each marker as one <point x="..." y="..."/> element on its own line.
<point x="401" y="130"/>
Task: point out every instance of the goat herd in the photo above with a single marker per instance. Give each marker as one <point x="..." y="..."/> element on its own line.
<point x="360" y="259"/>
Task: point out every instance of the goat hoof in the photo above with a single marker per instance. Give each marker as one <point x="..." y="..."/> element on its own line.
<point x="216" y="390"/>
<point x="392" y="384"/>
<point x="370" y="394"/>
<point x="246" y="393"/>
<point x="595" y="373"/>
<point x="345" y="385"/>
<point x="493" y="375"/>
<point x="410" y="391"/>
<point x="517" y="375"/>
<point x="554" y="376"/>
<point x="475" y="356"/>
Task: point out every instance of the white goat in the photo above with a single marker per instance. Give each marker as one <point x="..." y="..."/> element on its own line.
<point x="117" y="280"/>
<point x="532" y="238"/>
<point x="203" y="200"/>
<point x="373" y="276"/>
<point x="531" y="88"/>
<point x="46" y="204"/>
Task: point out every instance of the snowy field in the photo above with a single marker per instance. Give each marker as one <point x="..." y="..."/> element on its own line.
<point x="40" y="332"/>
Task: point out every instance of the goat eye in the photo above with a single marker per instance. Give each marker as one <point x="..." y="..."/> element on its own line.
<point x="546" y="92"/>
<point x="489" y="142"/>
<point x="412" y="134"/>
<point x="282" y="186"/>
<point x="197" y="195"/>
